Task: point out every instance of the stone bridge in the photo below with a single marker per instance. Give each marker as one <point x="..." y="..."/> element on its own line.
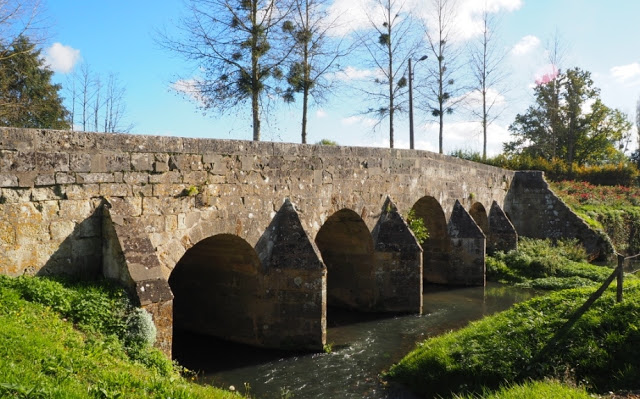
<point x="250" y="241"/>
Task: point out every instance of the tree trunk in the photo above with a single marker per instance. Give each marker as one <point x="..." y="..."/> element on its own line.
<point x="255" y="108"/>
<point x="305" y="102"/>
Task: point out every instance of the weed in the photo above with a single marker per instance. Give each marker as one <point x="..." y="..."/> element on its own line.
<point x="417" y="226"/>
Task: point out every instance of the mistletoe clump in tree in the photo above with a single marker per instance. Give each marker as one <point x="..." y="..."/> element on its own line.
<point x="239" y="46"/>
<point x="314" y="54"/>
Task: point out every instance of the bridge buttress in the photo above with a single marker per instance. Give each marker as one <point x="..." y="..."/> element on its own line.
<point x="502" y="235"/>
<point x="398" y="263"/>
<point x="468" y="243"/>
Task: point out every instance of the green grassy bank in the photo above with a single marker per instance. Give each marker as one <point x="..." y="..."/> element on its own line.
<point x="601" y="351"/>
<point x="79" y="340"/>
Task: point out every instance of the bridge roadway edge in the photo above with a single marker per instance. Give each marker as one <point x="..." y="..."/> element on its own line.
<point x="58" y="190"/>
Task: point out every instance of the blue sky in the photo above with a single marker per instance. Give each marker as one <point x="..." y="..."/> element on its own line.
<point x="118" y="37"/>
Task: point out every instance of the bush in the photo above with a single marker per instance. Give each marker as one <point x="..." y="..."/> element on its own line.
<point x="624" y="173"/>
<point x="94" y="307"/>
<point x="543" y="264"/>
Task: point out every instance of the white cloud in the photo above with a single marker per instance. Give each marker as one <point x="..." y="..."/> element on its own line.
<point x="526" y="45"/>
<point x="359" y="120"/>
<point x="348" y="16"/>
<point x="354" y="15"/>
<point x="468" y="15"/>
<point x="352" y="73"/>
<point x="61" y="58"/>
<point x="624" y="73"/>
<point x="321" y="114"/>
<point x="190" y="88"/>
<point x="474" y="98"/>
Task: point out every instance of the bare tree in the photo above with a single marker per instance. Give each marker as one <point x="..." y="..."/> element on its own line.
<point x="101" y="105"/>
<point x="19" y="18"/>
<point x="237" y="45"/>
<point x="390" y="44"/>
<point x="315" y="54"/>
<point x="115" y="107"/>
<point x="488" y="74"/>
<point x="86" y="94"/>
<point x="443" y="92"/>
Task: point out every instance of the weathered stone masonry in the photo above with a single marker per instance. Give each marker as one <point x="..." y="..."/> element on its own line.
<point x="252" y="238"/>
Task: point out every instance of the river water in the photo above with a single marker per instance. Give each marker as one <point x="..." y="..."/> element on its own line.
<point x="363" y="346"/>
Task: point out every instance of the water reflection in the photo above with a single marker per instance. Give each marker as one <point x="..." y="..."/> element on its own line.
<point x="363" y="346"/>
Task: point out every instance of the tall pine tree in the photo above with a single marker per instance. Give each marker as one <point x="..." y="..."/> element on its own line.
<point x="28" y="98"/>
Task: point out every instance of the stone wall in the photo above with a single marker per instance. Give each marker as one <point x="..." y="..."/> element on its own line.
<point x="537" y="212"/>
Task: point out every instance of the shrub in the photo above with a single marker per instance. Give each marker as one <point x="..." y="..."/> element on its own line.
<point x="543" y="264"/>
<point x="417" y="226"/>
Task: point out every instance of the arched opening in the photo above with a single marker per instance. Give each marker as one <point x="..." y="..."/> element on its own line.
<point x="479" y="214"/>
<point x="347" y="250"/>
<point x="435" y="254"/>
<point x="215" y="286"/>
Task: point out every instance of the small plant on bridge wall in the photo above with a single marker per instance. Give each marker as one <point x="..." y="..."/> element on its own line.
<point x="416" y="224"/>
<point x="191" y="191"/>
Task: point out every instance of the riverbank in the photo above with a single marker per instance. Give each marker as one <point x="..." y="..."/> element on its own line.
<point x="60" y="340"/>
<point x="601" y="352"/>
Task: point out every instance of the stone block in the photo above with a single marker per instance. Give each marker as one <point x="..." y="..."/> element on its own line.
<point x="52" y="162"/>
<point x="8" y="180"/>
<point x="166" y="177"/>
<point x="17" y="161"/>
<point x="45" y="180"/>
<point x="60" y="230"/>
<point x="89" y="178"/>
<point x="195" y="178"/>
<point x="135" y="177"/>
<point x="168" y="190"/>
<point x="144" y="190"/>
<point x="142" y="162"/>
<point x="79" y="162"/>
<point x="65" y="178"/>
<point x="82" y="191"/>
<point x="75" y="210"/>
<point x="115" y="190"/>
<point x="118" y="162"/>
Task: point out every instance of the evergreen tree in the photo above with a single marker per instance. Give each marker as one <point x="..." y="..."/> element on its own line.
<point x="27" y="96"/>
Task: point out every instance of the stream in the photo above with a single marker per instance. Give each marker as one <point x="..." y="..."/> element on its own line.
<point x="363" y="345"/>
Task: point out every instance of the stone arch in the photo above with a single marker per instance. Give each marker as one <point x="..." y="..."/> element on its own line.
<point x="479" y="215"/>
<point x="347" y="250"/>
<point x="437" y="247"/>
<point x="216" y="286"/>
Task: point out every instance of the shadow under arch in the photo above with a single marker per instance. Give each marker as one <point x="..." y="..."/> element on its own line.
<point x="436" y="248"/>
<point x="479" y="213"/>
<point x="215" y="286"/>
<point x="347" y="250"/>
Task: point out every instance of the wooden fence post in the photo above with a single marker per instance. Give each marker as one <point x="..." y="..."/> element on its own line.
<point x="620" y="277"/>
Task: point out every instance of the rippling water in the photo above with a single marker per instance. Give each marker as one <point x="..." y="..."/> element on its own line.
<point x="363" y="346"/>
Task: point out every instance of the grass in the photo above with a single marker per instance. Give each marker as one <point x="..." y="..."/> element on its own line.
<point x="544" y="265"/>
<point x="602" y="351"/>
<point x="549" y="389"/>
<point x="518" y="346"/>
<point x="64" y="340"/>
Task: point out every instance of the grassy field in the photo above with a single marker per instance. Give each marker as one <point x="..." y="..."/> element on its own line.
<point x="600" y="353"/>
<point x="63" y="340"/>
